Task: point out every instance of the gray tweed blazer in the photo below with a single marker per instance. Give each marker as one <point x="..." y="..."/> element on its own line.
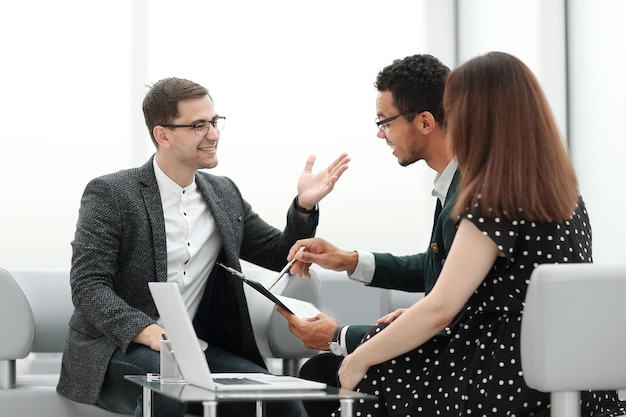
<point x="120" y="246"/>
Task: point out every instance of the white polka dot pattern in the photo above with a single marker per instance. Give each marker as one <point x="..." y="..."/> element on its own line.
<point x="472" y="368"/>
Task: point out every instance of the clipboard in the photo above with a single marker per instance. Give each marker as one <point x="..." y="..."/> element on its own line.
<point x="296" y="307"/>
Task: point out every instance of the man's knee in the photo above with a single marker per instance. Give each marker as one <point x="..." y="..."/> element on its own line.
<point x="322" y="368"/>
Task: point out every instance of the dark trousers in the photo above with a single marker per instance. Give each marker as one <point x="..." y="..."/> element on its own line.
<point x="121" y="396"/>
<point x="322" y="368"/>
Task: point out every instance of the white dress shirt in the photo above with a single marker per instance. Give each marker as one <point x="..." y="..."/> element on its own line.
<point x="193" y="242"/>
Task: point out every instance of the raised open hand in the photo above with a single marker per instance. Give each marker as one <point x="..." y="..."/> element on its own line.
<point x="312" y="188"/>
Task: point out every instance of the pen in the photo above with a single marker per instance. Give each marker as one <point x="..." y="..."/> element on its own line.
<point x="285" y="269"/>
<point x="231" y="270"/>
<point x="171" y="350"/>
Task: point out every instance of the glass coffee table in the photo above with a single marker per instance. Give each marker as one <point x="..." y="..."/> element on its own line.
<point x="192" y="394"/>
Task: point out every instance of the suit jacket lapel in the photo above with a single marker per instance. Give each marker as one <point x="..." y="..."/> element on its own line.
<point x="220" y="213"/>
<point x="453" y="186"/>
<point x="154" y="208"/>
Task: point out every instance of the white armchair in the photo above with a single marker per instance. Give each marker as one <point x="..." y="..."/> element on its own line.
<point x="270" y="328"/>
<point x="572" y="337"/>
<point x="391" y="300"/>
<point x="35" y="308"/>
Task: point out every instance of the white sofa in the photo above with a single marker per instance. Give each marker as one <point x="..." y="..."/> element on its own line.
<point x="352" y="302"/>
<point x="35" y="307"/>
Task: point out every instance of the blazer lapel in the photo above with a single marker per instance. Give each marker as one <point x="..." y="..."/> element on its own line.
<point x="154" y="208"/>
<point x="453" y="186"/>
<point x="219" y="210"/>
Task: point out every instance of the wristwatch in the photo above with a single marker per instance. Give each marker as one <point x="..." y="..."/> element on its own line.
<point x="334" y="344"/>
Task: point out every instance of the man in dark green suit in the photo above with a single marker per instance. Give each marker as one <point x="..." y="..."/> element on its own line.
<point x="411" y="120"/>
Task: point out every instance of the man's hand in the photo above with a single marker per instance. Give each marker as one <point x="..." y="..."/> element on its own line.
<point x="315" y="332"/>
<point x="323" y="253"/>
<point x="313" y="187"/>
<point x="389" y="317"/>
<point x="150" y="336"/>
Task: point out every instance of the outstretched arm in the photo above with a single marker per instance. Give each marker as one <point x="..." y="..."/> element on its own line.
<point x="323" y="253"/>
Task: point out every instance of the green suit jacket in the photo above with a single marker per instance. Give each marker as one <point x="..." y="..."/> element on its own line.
<point x="414" y="273"/>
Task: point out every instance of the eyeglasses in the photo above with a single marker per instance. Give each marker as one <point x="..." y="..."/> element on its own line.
<point x="382" y="124"/>
<point x="202" y="128"/>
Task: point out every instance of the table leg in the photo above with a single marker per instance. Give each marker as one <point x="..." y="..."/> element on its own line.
<point x="260" y="408"/>
<point x="147" y="402"/>
<point x="346" y="407"/>
<point x="210" y="408"/>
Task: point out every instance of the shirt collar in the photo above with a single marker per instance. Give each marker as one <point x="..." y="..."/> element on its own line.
<point x="443" y="181"/>
<point x="166" y="183"/>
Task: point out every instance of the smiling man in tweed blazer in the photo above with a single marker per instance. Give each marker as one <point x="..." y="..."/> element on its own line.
<point x="167" y="221"/>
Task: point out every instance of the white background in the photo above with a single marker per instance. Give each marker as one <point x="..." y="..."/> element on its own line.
<point x="293" y="79"/>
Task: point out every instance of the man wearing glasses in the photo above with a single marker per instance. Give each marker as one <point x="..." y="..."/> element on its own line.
<point x="411" y="120"/>
<point x="167" y="221"/>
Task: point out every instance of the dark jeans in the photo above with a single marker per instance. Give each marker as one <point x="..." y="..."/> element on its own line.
<point x="121" y="396"/>
<point x="322" y="368"/>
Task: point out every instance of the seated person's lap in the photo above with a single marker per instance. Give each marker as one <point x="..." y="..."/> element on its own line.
<point x="121" y="396"/>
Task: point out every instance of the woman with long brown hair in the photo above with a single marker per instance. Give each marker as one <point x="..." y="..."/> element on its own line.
<point x="456" y="352"/>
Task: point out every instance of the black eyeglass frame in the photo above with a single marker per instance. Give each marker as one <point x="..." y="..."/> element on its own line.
<point x="197" y="126"/>
<point x="381" y="123"/>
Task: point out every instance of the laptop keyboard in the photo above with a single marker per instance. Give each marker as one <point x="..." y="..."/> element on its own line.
<point x="237" y="381"/>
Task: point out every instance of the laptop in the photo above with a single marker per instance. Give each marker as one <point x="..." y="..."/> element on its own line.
<point x="190" y="357"/>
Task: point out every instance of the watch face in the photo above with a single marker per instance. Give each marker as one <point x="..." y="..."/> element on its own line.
<point x="335" y="349"/>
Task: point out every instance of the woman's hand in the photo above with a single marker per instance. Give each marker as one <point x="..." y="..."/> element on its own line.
<point x="352" y="371"/>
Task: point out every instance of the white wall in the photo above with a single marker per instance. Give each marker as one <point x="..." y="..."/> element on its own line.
<point x="532" y="30"/>
<point x="597" y="113"/>
<point x="64" y="117"/>
<point x="293" y="79"/>
<point x="576" y="49"/>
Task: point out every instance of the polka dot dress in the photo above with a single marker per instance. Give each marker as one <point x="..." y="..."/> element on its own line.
<point x="472" y="368"/>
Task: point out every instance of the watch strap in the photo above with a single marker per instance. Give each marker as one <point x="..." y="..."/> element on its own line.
<point x="336" y="334"/>
<point x="298" y="207"/>
<point x="334" y="344"/>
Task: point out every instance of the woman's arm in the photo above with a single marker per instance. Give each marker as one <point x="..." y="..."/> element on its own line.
<point x="471" y="256"/>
